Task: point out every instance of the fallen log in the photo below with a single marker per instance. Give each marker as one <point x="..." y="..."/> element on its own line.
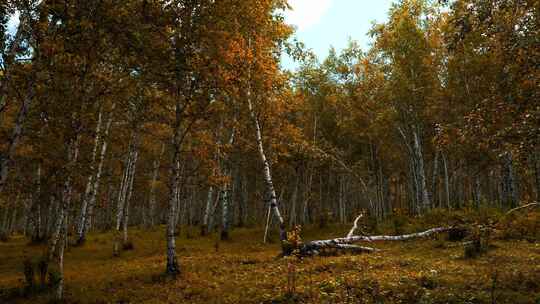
<point x="315" y="247"/>
<point x="522" y="207"/>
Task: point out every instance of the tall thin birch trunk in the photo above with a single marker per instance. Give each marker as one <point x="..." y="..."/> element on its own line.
<point x="509" y="181"/>
<point x="97" y="179"/>
<point x="226" y="190"/>
<point x="446" y="181"/>
<point x="341" y="205"/>
<point x="59" y="239"/>
<point x="124" y="193"/>
<point x="4" y="223"/>
<point x="225" y="213"/>
<point x="128" y="197"/>
<point x="426" y="204"/>
<point x="6" y="158"/>
<point x="155" y="176"/>
<point x="207" y="210"/>
<point x="172" y="267"/>
<point x="89" y="183"/>
<point x="294" y="199"/>
<point x="435" y="181"/>
<point x="271" y="192"/>
<point x="477" y="190"/>
<point x="13" y="222"/>
<point x="36" y="202"/>
<point x="307" y="196"/>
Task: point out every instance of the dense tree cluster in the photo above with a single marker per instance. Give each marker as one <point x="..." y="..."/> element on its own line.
<point x="177" y="113"/>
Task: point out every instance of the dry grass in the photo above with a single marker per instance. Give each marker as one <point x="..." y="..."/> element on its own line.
<point x="245" y="271"/>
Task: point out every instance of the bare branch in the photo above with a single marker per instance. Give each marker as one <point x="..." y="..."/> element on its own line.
<point x="355" y="226"/>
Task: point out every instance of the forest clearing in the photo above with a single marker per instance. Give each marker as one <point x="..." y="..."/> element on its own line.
<point x="269" y="151"/>
<point x="244" y="270"/>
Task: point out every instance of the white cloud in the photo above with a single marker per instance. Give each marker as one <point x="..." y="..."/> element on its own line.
<point x="307" y="13"/>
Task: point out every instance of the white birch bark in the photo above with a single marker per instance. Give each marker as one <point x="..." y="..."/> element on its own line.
<point x="509" y="181"/>
<point x="59" y="239"/>
<point x="446" y="181"/>
<point x="426" y="204"/>
<point x="225" y="191"/>
<point x="172" y="267"/>
<point x="271" y="192"/>
<point x="207" y="211"/>
<point x="128" y="196"/>
<point x="17" y="131"/>
<point x="97" y="179"/>
<point x="90" y="182"/>
<point x="124" y="194"/>
<point x="435" y="181"/>
<point x="314" y="247"/>
<point x="6" y="158"/>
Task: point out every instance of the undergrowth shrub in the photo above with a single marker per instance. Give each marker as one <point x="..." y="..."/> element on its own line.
<point x="128" y="246"/>
<point x="37" y="276"/>
<point x="478" y="243"/>
<point x="29" y="279"/>
<point x="458" y="234"/>
<point x="399" y="221"/>
<point x="54" y="277"/>
<point x="43" y="267"/>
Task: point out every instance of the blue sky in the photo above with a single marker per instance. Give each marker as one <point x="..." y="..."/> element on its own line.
<point x="324" y="23"/>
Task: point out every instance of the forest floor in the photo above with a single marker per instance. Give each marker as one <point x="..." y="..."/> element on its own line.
<point x="243" y="270"/>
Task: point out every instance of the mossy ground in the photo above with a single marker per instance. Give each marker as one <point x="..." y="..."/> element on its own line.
<point x="244" y="270"/>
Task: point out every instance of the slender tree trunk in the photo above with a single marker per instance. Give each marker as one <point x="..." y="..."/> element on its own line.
<point x="537" y="174"/>
<point x="125" y="221"/>
<point x="435" y="181"/>
<point x="225" y="213"/>
<point x="50" y="214"/>
<point x="155" y="176"/>
<point x="59" y="239"/>
<point x="446" y="181"/>
<point x="426" y="204"/>
<point x="226" y="191"/>
<point x="89" y="183"/>
<point x="13" y="221"/>
<point x="59" y="294"/>
<point x="97" y="179"/>
<point x="307" y="194"/>
<point x="341" y="184"/>
<point x="172" y="267"/>
<point x="4" y="223"/>
<point x="6" y="158"/>
<point x="294" y="199"/>
<point x="271" y="192"/>
<point x="124" y="194"/>
<point x="477" y="191"/>
<point x="207" y="211"/>
<point x="509" y="181"/>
